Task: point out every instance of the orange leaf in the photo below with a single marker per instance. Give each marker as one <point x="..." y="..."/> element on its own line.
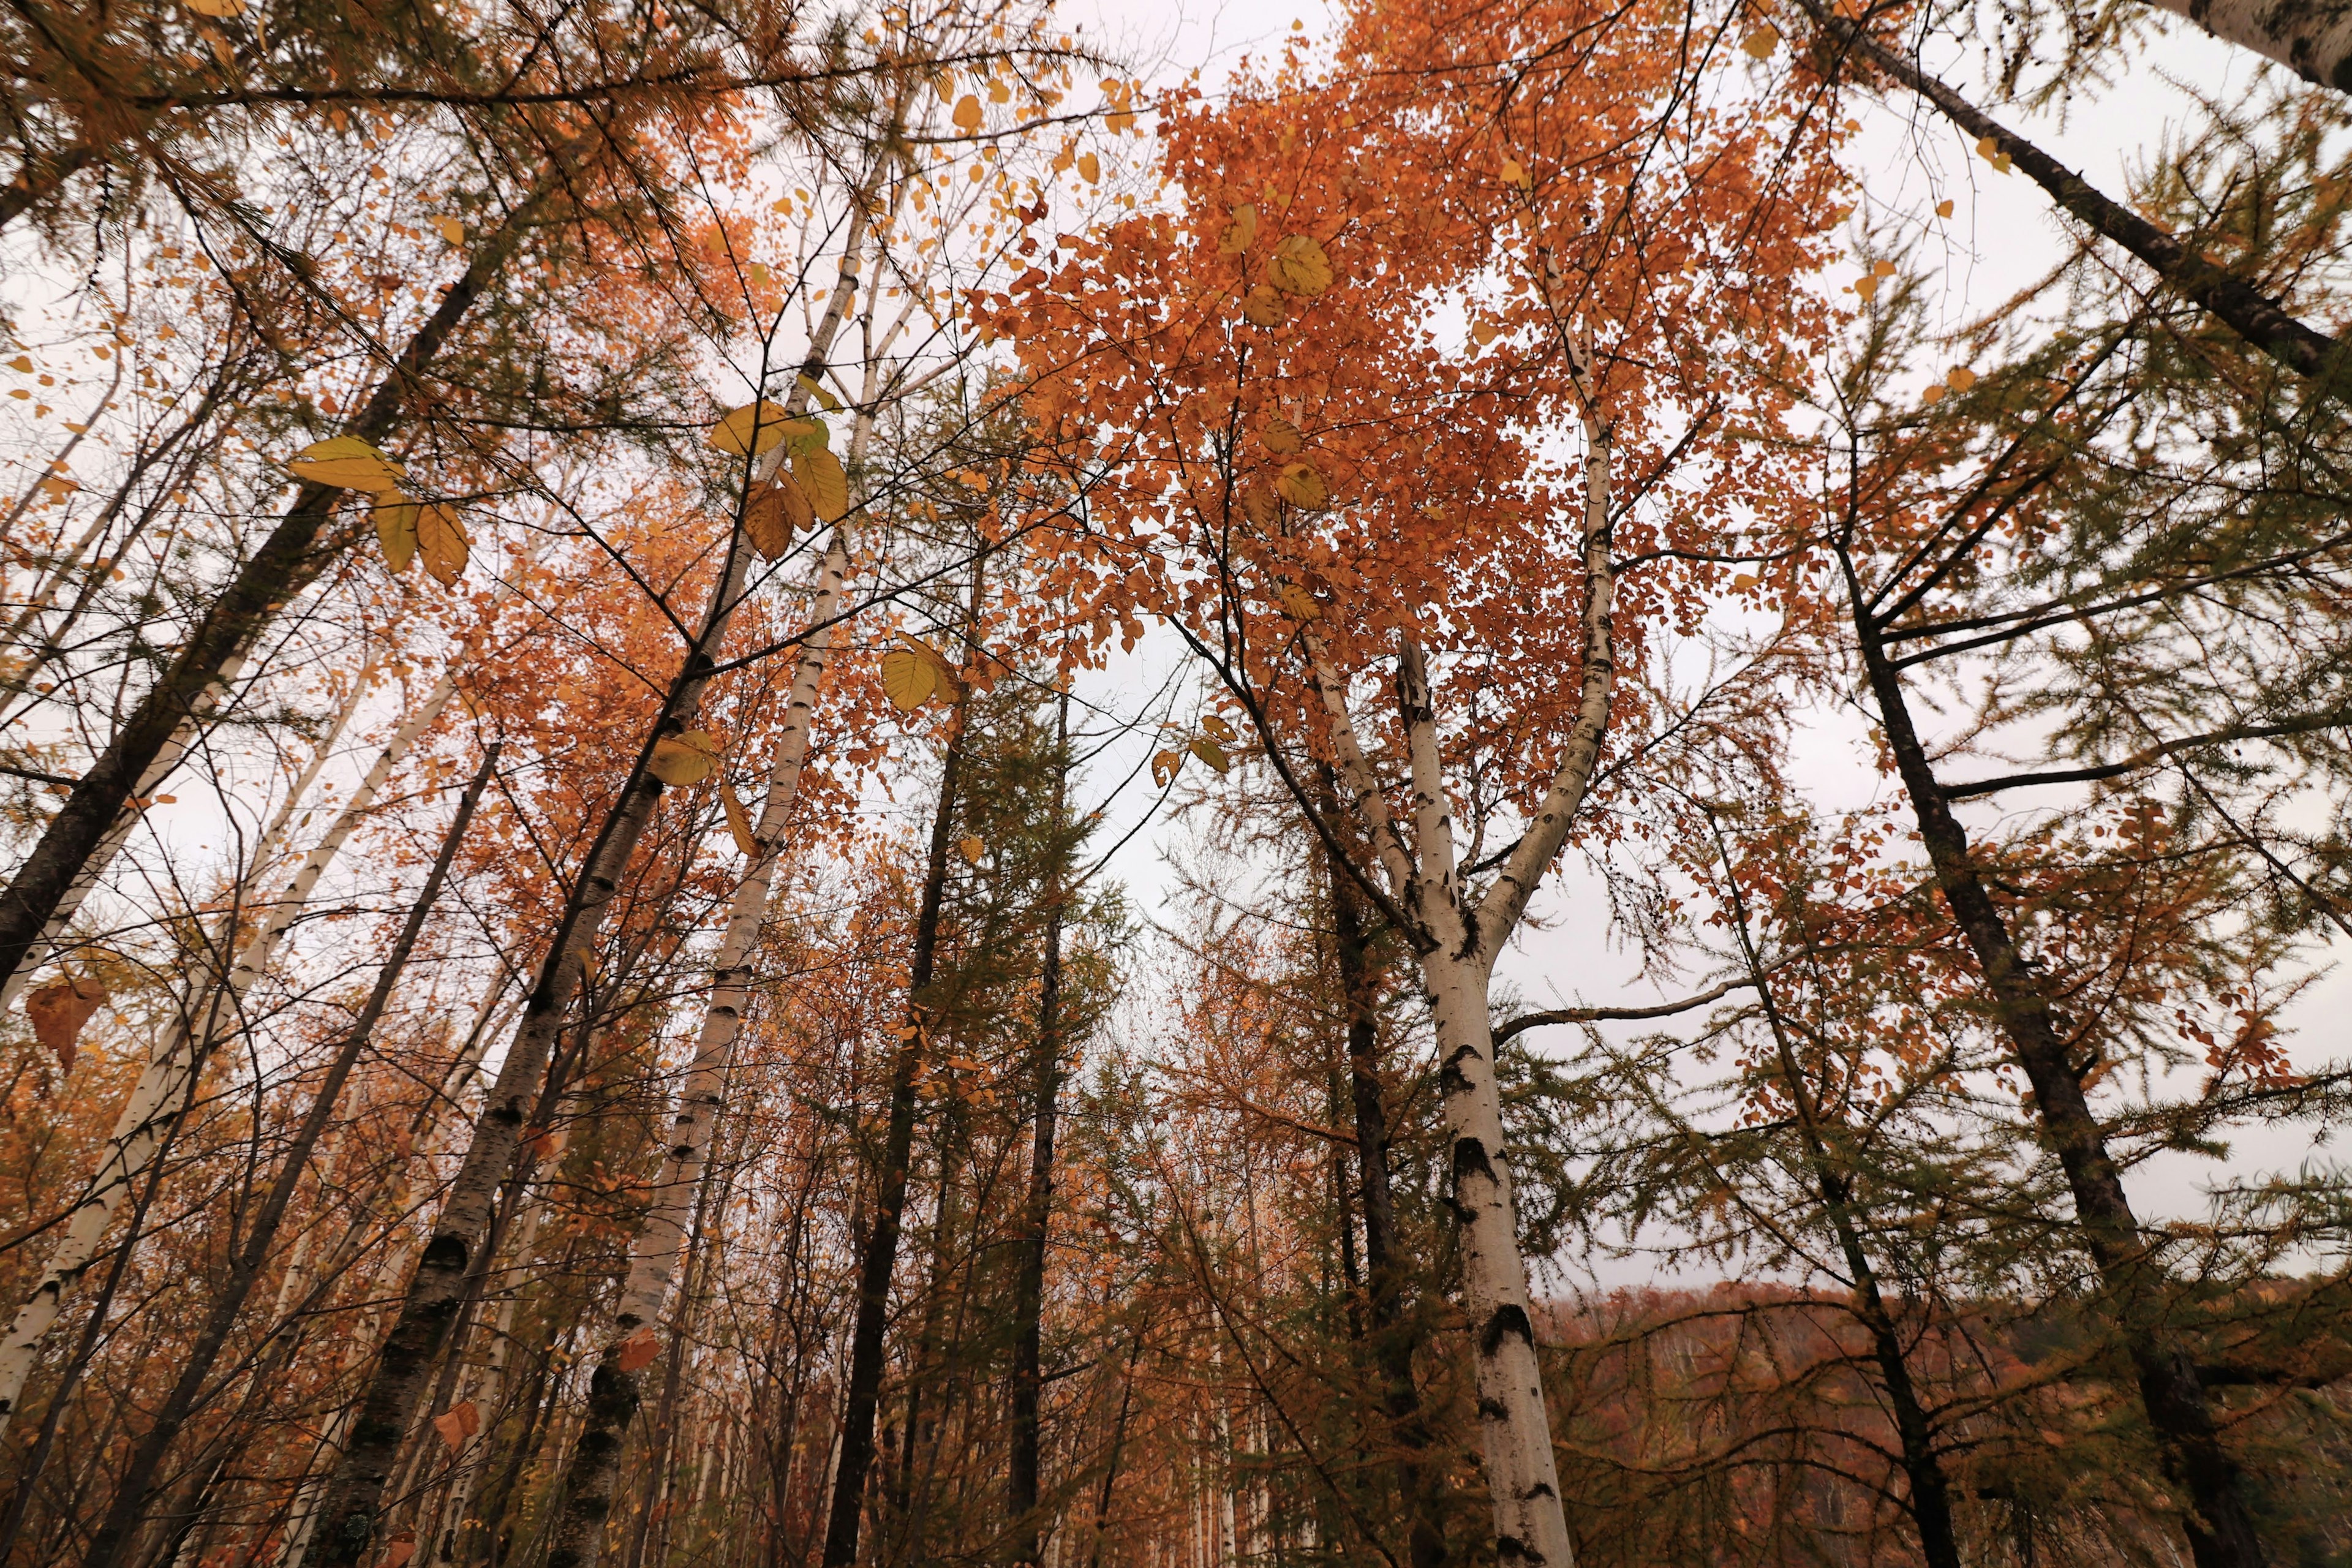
<point x="59" y="1013"/>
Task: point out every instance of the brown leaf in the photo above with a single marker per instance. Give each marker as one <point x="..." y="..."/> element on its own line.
<point x="769" y="517"/>
<point x="1300" y="266"/>
<point x="1282" y="437"/>
<point x="59" y="1013"/>
<point x="1263" y="306"/>
<point x="638" y="1350"/>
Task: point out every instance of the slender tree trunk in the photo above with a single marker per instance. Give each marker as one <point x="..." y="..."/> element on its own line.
<point x="2220" y="1528"/>
<point x="145" y="1125"/>
<point x="1931" y="1503"/>
<point x="1394" y="1342"/>
<point x="51" y="881"/>
<point x="614" y="1390"/>
<point x="1037" y="1205"/>
<point x="433" y="1293"/>
<point x="2246" y="310"/>
<point x="862" y="1397"/>
<point x="228" y="1303"/>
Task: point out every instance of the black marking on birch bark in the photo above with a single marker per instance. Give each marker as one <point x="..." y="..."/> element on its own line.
<point x="1469" y="1156"/>
<point x="1510" y="1318"/>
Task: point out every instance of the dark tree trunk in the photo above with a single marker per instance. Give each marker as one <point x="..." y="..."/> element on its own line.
<point x="1392" y="1335"/>
<point x="863" y="1394"/>
<point x="1037" y="1207"/>
<point x="2220" y="1528"/>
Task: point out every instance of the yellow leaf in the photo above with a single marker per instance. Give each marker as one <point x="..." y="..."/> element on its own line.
<point x="738" y="824"/>
<point x="967" y="114"/>
<point x="1263" y="306"/>
<point x="1944" y="207"/>
<point x="1961" y="378"/>
<point x="1760" y="43"/>
<point x="1883" y="268"/>
<point x="1483" y="332"/>
<point x="1987" y="148"/>
<point x="973" y="850"/>
<point x="753" y="428"/>
<point x="1164" y="765"/>
<point x="1744" y="581"/>
<point x="907" y="679"/>
<point x="441" y="542"/>
<point x="1259" y="506"/>
<point x="1516" y="173"/>
<point x="1300" y="266"/>
<point x="1299" y="603"/>
<point x="2002" y="164"/>
<point x="1866" y="286"/>
<point x="1282" y="437"/>
<point x="1090" y="168"/>
<point x="684" y="759"/>
<point x="1216" y="728"/>
<point x="1302" y="487"/>
<point x="451" y="230"/>
<point x="1933" y="394"/>
<point x="347" y="463"/>
<point x="395" y="529"/>
<point x="22" y="363"/>
<point x="814" y="388"/>
<point x="822" y="481"/>
<point x="218" y="8"/>
<point x="1211" y="752"/>
<point x="1241" y="231"/>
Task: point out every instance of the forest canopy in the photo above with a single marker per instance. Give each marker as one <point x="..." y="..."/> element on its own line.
<point x="865" y="786"/>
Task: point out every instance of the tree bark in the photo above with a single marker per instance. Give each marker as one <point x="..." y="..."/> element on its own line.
<point x="1931" y="1500"/>
<point x="863" y="1392"/>
<point x="131" y="1490"/>
<point x="2245" y="309"/>
<point x="1393" y="1343"/>
<point x="53" y="879"/>
<point x="613" y="1391"/>
<point x="1036" y="1209"/>
<point x="2220" y="1528"/>
<point x="2311" y="37"/>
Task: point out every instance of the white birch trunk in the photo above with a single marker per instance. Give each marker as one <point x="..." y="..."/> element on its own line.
<point x="168" y="1082"/>
<point x="2311" y="37"/>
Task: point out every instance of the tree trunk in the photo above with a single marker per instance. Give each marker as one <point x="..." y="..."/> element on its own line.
<point x="613" y="1391"/>
<point x="131" y="1490"/>
<point x="1931" y="1502"/>
<point x="1394" y="1342"/>
<point x="862" y="1395"/>
<point x="2311" y="37"/>
<point x="1036" y="1212"/>
<point x="54" y="878"/>
<point x="2220" y="1529"/>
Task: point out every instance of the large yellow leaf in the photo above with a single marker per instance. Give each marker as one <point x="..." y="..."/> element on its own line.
<point x="967" y="114"/>
<point x="1298" y="266"/>
<point x="1282" y="437"/>
<point x="395" y="529"/>
<point x="1302" y="487"/>
<point x="738" y="824"/>
<point x="1760" y="43"/>
<point x="441" y="542"/>
<point x="684" y="759"/>
<point x="348" y="463"/>
<point x="907" y="679"/>
<point x="754" y="428"/>
<point x="1243" y="230"/>
<point x="1211" y="752"/>
<point x="1299" y="603"/>
<point x="974" y="850"/>
<point x="824" y="483"/>
<point x="1260" y="507"/>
